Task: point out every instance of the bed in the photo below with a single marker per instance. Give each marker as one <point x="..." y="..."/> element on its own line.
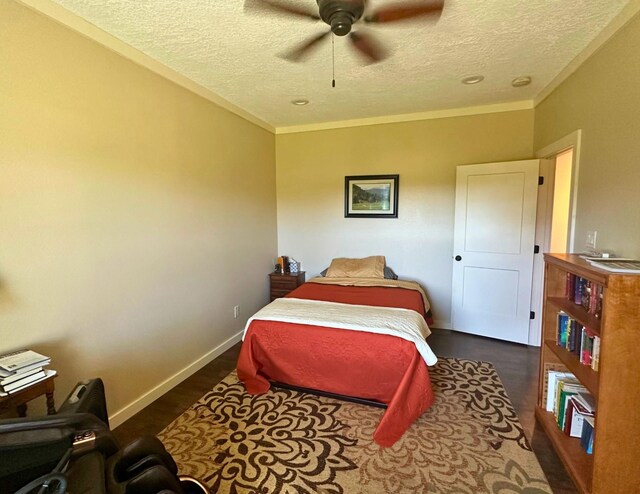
<point x="355" y="336"/>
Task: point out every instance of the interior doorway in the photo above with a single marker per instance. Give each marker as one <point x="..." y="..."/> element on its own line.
<point x="555" y="223"/>
<point x="561" y="206"/>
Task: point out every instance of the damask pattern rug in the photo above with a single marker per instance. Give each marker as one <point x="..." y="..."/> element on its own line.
<point x="469" y="441"/>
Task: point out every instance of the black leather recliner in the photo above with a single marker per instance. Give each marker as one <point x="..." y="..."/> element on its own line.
<point x="75" y="451"/>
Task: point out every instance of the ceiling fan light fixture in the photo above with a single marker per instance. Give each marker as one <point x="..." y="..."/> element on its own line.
<point x="474" y="79"/>
<point x="521" y="81"/>
<point x="300" y="102"/>
<point x="341" y="23"/>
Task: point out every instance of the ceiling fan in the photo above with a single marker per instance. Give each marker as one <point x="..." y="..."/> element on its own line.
<point x="341" y="15"/>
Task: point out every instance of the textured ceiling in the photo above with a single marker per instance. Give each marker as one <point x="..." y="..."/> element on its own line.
<point x="234" y="53"/>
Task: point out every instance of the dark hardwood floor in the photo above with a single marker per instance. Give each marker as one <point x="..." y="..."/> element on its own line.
<point x="517" y="366"/>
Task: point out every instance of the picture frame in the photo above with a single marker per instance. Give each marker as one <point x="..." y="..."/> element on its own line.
<point x="371" y="196"/>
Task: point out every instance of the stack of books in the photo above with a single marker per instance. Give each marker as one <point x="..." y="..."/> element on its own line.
<point x="579" y="340"/>
<point x="586" y="293"/>
<point x="21" y="369"/>
<point x="573" y="407"/>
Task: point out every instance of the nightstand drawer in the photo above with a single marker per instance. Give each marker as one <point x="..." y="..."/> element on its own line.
<point x="279" y="293"/>
<point x="284" y="284"/>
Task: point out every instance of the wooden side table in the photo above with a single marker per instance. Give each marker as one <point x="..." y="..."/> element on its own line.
<point x="19" y="399"/>
<point x="281" y="284"/>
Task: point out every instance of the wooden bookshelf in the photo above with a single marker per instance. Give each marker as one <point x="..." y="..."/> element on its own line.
<point x="613" y="466"/>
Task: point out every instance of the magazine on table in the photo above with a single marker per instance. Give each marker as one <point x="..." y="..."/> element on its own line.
<point x="47" y="375"/>
<point x="12" y="362"/>
<point x="17" y="377"/>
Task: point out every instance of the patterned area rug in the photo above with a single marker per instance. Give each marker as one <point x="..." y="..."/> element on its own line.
<point x="469" y="441"/>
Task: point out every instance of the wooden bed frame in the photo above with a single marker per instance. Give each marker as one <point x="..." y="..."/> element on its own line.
<point x="327" y="394"/>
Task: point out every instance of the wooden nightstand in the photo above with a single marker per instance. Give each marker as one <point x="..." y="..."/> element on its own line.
<point x="281" y="284"/>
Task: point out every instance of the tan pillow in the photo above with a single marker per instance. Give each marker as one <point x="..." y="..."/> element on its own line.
<point x="368" y="267"/>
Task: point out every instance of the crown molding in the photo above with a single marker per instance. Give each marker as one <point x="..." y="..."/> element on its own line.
<point x="410" y="117"/>
<point x="62" y="16"/>
<point x="627" y="13"/>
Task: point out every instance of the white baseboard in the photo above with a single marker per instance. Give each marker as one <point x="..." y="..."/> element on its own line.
<point x="137" y="405"/>
<point x="442" y="324"/>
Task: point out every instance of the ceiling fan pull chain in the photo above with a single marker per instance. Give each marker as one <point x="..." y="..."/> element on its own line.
<point x="333" y="58"/>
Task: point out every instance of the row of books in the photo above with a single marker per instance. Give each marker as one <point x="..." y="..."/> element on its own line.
<point x="572" y="406"/>
<point x="21" y="369"/>
<point x="579" y="340"/>
<point x="584" y="292"/>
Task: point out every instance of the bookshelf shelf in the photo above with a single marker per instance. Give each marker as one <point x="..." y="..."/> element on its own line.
<point x="612" y="468"/>
<point x="578" y="313"/>
<point x="585" y="375"/>
<point x="578" y="463"/>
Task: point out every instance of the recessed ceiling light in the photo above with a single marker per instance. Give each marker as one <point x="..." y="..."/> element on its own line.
<point x="300" y="102"/>
<point x="521" y="81"/>
<point x="474" y="79"/>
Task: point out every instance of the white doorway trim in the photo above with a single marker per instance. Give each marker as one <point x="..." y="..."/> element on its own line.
<point x="547" y="156"/>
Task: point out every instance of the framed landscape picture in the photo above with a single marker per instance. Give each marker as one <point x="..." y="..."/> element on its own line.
<point x="371" y="196"/>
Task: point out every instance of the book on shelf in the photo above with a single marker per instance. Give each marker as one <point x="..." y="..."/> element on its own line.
<point x="41" y="376"/>
<point x="587" y="401"/>
<point x="579" y="340"/>
<point x="563" y="322"/>
<point x="570" y="402"/>
<point x="575" y="415"/>
<point x="552" y="379"/>
<point x="579" y="286"/>
<point x="589" y="349"/>
<point x="564" y="391"/>
<point x="586" y="438"/>
<point x="595" y="358"/>
<point x="584" y="293"/>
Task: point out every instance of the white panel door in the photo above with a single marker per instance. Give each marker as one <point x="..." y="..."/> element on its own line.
<point x="495" y="221"/>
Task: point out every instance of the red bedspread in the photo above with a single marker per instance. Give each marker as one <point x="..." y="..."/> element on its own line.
<point x="353" y="363"/>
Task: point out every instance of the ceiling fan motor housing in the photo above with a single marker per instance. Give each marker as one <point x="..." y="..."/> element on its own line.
<point x="340" y="14"/>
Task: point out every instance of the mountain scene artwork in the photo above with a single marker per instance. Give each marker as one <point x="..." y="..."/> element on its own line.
<point x="371" y="197"/>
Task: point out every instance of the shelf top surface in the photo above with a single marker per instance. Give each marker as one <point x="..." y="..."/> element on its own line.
<point x="577" y="265"/>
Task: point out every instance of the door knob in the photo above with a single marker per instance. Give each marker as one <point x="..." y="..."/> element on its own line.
<point x="458" y="258"/>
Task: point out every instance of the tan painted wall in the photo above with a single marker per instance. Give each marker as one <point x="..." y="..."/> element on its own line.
<point x="312" y="166"/>
<point x="603" y="99"/>
<point x="133" y="214"/>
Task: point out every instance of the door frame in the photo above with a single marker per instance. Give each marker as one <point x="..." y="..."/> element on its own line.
<point x="544" y="218"/>
<point x="570" y="141"/>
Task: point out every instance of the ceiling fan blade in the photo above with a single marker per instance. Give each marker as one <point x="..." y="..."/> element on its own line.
<point x="280" y="8"/>
<point x="305" y="48"/>
<point x="405" y="12"/>
<point x="367" y="45"/>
